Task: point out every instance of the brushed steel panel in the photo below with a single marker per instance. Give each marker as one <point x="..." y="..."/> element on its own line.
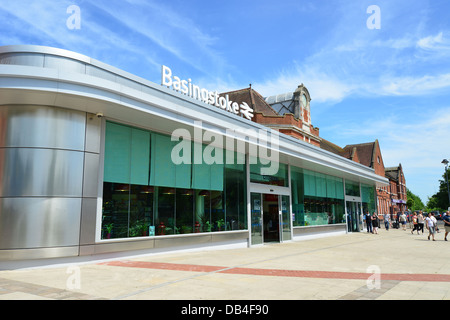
<point x="23" y="59"/>
<point x="229" y="236"/>
<point x="17" y="49"/>
<point x="121" y="246"/>
<point x="181" y="241"/>
<point x="43" y="127"/>
<point x="40" y="172"/>
<point x="300" y="231"/>
<point x="37" y="253"/>
<point x="39" y="222"/>
<point x="100" y="73"/>
<point x="93" y="133"/>
<point x="90" y="180"/>
<point x="88" y="221"/>
<point x="64" y="64"/>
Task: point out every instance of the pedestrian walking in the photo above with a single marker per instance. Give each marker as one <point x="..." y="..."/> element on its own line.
<point x="431" y="225"/>
<point x="375" y="223"/>
<point x="415" y="221"/>
<point x="387" y="221"/>
<point x="369" y="222"/>
<point x="421" y="220"/>
<point x="446" y="219"/>
<point x="403" y="220"/>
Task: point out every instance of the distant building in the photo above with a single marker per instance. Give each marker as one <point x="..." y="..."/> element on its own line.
<point x="390" y="199"/>
<point x="397" y="192"/>
<point x="288" y="113"/>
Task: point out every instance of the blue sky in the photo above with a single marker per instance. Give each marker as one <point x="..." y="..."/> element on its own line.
<point x="390" y="84"/>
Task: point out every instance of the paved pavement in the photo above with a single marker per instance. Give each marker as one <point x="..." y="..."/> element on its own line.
<point x="393" y="265"/>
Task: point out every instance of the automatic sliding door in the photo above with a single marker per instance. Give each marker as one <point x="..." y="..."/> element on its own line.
<point x="271" y="218"/>
<point x="256" y="218"/>
<point x="285" y="218"/>
<point x="353" y="216"/>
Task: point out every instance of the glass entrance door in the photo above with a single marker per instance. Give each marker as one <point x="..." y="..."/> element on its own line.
<point x="354" y="222"/>
<point x="256" y="218"/>
<point x="270" y="218"/>
<point x="285" y="218"/>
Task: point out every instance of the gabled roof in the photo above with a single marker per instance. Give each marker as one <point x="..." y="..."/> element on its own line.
<point x="393" y="172"/>
<point x="331" y="147"/>
<point x="253" y="98"/>
<point x="366" y="152"/>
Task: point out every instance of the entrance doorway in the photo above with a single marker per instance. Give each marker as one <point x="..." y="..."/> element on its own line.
<point x="354" y="219"/>
<point x="270" y="218"/>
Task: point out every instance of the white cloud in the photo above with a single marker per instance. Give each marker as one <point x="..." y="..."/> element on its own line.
<point x="170" y="30"/>
<point x="433" y="42"/>
<point x="323" y="88"/>
<point x="414" y="86"/>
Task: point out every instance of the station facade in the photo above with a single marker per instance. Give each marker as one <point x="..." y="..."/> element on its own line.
<point x="95" y="160"/>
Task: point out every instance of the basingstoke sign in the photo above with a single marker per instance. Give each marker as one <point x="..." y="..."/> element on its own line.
<point x="211" y="97"/>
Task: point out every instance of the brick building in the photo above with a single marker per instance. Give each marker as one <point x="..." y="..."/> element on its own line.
<point x="287" y="113"/>
<point x="390" y="199"/>
<point x="290" y="113"/>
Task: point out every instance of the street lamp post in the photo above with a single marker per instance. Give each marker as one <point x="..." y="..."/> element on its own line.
<point x="445" y="161"/>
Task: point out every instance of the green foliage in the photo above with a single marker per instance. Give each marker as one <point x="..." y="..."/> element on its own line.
<point x="440" y="200"/>
<point x="413" y="202"/>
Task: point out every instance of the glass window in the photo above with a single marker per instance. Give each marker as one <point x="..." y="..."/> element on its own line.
<point x="165" y="215"/>
<point x="235" y="198"/>
<point x="368" y="198"/>
<point x="317" y="199"/>
<point x="217" y="211"/>
<point x="185" y="210"/>
<point x="116" y="201"/>
<point x="141" y="211"/>
<point x="203" y="210"/>
<point x="164" y="172"/>
<point x="278" y="179"/>
<point x="127" y="152"/>
<point x="352" y="188"/>
<point x="146" y="194"/>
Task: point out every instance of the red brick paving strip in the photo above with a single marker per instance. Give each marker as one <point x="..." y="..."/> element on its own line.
<point x="278" y="272"/>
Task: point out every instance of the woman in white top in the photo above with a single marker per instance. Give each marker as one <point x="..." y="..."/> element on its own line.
<point x="431" y="225"/>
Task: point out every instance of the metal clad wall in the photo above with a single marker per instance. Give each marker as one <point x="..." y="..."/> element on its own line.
<point x="41" y="176"/>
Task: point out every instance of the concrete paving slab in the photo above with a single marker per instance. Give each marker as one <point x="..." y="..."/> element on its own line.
<point x="393" y="265"/>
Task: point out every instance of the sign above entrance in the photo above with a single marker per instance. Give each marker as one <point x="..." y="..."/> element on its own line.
<point x="211" y="97"/>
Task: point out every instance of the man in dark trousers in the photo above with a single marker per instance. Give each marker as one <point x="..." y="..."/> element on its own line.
<point x="369" y="222"/>
<point x="446" y="219"/>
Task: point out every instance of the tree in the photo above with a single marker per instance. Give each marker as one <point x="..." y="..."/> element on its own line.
<point x="440" y="199"/>
<point x="413" y="202"/>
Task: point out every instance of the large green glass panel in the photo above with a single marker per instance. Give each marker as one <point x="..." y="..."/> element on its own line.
<point x="207" y="176"/>
<point x="321" y="185"/>
<point x="309" y="183"/>
<point x="140" y="156"/>
<point x="164" y="172"/>
<point x="339" y="188"/>
<point x="352" y="188"/>
<point x="117" y="153"/>
<point x="365" y="193"/>
<point x="280" y="178"/>
<point x="331" y="187"/>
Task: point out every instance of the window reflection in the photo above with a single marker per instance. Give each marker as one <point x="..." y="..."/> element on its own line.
<point x="139" y="211"/>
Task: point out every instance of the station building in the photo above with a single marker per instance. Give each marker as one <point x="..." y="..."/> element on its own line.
<point x="95" y="160"/>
